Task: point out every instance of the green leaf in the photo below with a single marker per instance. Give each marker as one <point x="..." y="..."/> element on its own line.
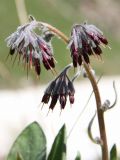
<point x="113" y="153"/>
<point x="78" y="157"/>
<point x="29" y="145"/>
<point x="58" y="151"/>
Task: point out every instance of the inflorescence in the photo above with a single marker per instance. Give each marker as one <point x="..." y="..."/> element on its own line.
<point x="85" y="40"/>
<point x="60" y="89"/>
<point x="33" y="49"/>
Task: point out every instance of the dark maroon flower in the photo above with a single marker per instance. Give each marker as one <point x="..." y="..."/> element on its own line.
<point x="33" y="48"/>
<point x="85" y="41"/>
<point x="71" y="91"/>
<point x="59" y="89"/>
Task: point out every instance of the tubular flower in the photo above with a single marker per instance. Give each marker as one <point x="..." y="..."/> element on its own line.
<point x="59" y="89"/>
<point x="33" y="48"/>
<point x="85" y="41"/>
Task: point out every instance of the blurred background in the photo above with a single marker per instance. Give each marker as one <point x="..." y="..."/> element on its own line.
<point x="20" y="97"/>
<point x="61" y="14"/>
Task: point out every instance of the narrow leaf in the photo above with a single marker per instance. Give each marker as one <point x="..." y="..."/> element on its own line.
<point x="58" y="151"/>
<point x="113" y="153"/>
<point x="78" y="157"/>
<point x="29" y="145"/>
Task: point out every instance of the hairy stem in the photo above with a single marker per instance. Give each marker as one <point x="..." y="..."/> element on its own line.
<point x="56" y="31"/>
<point x="100" y="113"/>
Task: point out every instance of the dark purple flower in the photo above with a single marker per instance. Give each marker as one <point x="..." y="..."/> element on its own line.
<point x="85" y="41"/>
<point x="59" y="89"/>
<point x="33" y="48"/>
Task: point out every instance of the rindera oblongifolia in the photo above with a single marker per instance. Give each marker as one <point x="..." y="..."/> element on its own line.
<point x="60" y="89"/>
<point x="85" y="40"/>
<point x="32" y="48"/>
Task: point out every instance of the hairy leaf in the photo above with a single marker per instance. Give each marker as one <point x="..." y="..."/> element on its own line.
<point x="29" y="145"/>
<point x="113" y="153"/>
<point x="58" y="150"/>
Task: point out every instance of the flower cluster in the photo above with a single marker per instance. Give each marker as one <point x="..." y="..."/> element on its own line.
<point x="59" y="89"/>
<point x="31" y="47"/>
<point x="85" y="41"/>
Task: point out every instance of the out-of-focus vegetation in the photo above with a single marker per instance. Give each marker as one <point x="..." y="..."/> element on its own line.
<point x="61" y="14"/>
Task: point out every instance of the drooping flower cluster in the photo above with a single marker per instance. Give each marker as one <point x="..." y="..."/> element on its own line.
<point x="59" y="89"/>
<point x="85" y="41"/>
<point x="31" y="48"/>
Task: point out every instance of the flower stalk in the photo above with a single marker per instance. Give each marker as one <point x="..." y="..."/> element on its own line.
<point x="55" y="30"/>
<point x="100" y="113"/>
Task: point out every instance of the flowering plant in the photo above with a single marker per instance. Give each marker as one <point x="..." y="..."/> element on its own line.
<point x="32" y="49"/>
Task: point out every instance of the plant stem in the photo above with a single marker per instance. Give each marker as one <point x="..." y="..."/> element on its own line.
<point x="56" y="31"/>
<point x="100" y="113"/>
<point x="21" y="11"/>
